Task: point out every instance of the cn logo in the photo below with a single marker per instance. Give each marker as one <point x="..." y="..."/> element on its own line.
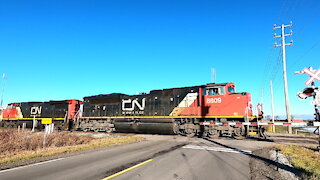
<point x="129" y="105"/>
<point x="35" y="110"/>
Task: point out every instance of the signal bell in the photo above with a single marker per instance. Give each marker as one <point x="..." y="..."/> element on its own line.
<point x="306" y="92"/>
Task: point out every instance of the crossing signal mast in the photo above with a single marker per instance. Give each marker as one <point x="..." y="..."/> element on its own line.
<point x="283" y="45"/>
<point x="312" y="91"/>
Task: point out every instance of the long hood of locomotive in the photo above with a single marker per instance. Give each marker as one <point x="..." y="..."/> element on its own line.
<point x="185" y="102"/>
<point x="157" y="103"/>
<point x="38" y="110"/>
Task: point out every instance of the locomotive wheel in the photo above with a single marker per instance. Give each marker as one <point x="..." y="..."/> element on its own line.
<point x="185" y="127"/>
<point x="189" y="132"/>
<point x="239" y="133"/>
<point x="108" y="130"/>
<point x="176" y="128"/>
<point x="213" y="133"/>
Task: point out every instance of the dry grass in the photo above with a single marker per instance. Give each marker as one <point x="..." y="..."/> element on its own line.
<point x="13" y="141"/>
<point x="304" y="158"/>
<point x="284" y="130"/>
<point x="25" y="145"/>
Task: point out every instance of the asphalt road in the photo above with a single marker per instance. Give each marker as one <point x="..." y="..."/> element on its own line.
<point x="198" y="160"/>
<point x="172" y="159"/>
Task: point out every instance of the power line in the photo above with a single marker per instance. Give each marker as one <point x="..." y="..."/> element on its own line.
<point x="294" y="8"/>
<point x="276" y="67"/>
<point x="282" y="12"/>
<point x="285" y="7"/>
<point x="313" y="13"/>
<point x="305" y="54"/>
<point x="267" y="67"/>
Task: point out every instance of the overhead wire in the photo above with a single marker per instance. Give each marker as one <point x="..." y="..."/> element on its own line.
<point x="313" y="13"/>
<point x="294" y="14"/>
<point x="308" y="11"/>
<point x="282" y="12"/>
<point x="272" y="51"/>
<point x="305" y="54"/>
<point x="268" y="72"/>
<point x="277" y="66"/>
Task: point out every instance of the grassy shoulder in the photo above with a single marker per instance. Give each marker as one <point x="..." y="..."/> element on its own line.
<point x="284" y="130"/>
<point x="306" y="159"/>
<point x="16" y="146"/>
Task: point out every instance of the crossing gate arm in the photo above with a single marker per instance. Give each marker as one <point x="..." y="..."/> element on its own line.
<point x="262" y="123"/>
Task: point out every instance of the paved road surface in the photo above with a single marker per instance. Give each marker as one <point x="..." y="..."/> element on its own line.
<point x="200" y="159"/>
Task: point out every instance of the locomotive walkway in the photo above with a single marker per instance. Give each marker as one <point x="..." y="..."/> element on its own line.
<point x="165" y="157"/>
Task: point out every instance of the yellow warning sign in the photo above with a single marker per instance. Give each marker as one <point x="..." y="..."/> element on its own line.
<point x="46" y="121"/>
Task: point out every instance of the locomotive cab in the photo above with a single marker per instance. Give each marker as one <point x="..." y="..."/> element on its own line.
<point x="219" y="89"/>
<point x="224" y="104"/>
<point x="13" y="110"/>
<point x="222" y="100"/>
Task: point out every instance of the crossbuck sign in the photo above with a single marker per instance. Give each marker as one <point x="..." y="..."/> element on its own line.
<point x="314" y="75"/>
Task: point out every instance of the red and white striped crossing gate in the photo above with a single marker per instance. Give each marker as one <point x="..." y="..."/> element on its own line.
<point x="262" y="123"/>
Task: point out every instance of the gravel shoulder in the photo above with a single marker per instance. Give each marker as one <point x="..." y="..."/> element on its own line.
<point x="267" y="163"/>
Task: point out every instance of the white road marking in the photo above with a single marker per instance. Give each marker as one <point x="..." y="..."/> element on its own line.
<point x="36" y="164"/>
<point x="208" y="148"/>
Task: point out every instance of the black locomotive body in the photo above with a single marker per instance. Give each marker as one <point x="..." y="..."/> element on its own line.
<point x="156" y="103"/>
<point x="141" y="113"/>
<point x="51" y="109"/>
<point x="30" y="114"/>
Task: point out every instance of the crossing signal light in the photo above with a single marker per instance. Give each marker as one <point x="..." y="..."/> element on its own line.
<point x="306" y="92"/>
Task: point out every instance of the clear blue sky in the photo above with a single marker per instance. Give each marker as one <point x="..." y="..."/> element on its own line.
<point x="53" y="50"/>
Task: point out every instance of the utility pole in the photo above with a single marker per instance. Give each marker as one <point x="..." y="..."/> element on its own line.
<point x="3" y="85"/>
<point x="213" y="75"/>
<point x="261" y="96"/>
<point x="283" y="45"/>
<point x="272" y="106"/>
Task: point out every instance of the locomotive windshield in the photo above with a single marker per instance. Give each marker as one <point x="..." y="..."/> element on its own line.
<point x="231" y="89"/>
<point x="214" y="91"/>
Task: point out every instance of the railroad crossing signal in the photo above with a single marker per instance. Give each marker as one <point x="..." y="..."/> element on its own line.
<point x="310" y="92"/>
<point x="306" y="92"/>
<point x="314" y="75"/>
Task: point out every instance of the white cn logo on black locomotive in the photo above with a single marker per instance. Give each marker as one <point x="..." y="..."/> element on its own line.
<point x="35" y="111"/>
<point x="129" y="106"/>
